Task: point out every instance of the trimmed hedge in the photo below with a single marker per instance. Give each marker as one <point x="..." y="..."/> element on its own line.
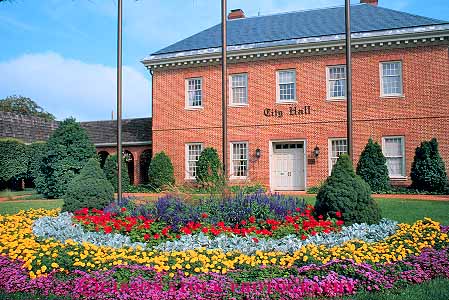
<point x="110" y="170"/>
<point x="372" y="167"/>
<point x="89" y="189"/>
<point x="13" y="159"/>
<point x="428" y="171"/>
<point x="37" y="152"/>
<point x="161" y="172"/>
<point x="68" y="150"/>
<point x="347" y="193"/>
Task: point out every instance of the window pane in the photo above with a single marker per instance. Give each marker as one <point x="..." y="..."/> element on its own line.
<point x="193" y="154"/>
<point x="394" y="166"/>
<point x="391" y="78"/>
<point x="194" y="92"/>
<point x="287" y="85"/>
<point x="240" y="159"/>
<point x="393" y="148"/>
<point x="338" y="147"/>
<point x="337" y="82"/>
<point x="239" y="89"/>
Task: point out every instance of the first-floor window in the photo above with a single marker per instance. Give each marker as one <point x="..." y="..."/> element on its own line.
<point x="393" y="149"/>
<point x="239" y="159"/>
<point x="193" y="152"/>
<point x="337" y="147"/>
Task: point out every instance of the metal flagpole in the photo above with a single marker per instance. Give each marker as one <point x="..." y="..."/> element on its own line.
<point x="224" y="86"/>
<point x="348" y="79"/>
<point x="119" y="101"/>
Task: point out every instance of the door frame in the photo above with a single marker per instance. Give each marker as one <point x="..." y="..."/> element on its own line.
<point x="270" y="158"/>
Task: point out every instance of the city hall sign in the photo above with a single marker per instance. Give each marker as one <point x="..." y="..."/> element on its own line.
<point x="292" y="111"/>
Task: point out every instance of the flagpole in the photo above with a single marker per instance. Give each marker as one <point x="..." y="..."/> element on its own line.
<point x="224" y="89"/>
<point x="119" y="100"/>
<point x="348" y="79"/>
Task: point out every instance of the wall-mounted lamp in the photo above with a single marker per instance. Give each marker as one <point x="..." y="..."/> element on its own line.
<point x="258" y="153"/>
<point x="316" y="151"/>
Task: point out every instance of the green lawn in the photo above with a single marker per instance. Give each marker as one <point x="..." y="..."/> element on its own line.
<point x="12" y="207"/>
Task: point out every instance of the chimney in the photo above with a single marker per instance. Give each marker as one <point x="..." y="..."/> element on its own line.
<point x="236" y="14"/>
<point x="371" y="2"/>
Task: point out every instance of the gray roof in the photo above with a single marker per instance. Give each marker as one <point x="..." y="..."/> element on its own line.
<point x="301" y="24"/>
<point x="33" y="129"/>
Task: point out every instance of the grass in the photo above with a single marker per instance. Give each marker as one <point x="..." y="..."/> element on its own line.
<point x="12" y="207"/>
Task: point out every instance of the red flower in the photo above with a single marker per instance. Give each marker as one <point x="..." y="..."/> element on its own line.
<point x="303" y="237"/>
<point x="255" y="240"/>
<point x="298" y="209"/>
<point x="340" y="222"/>
<point x="243" y="222"/>
<point x="204" y="216"/>
<point x="338" y="214"/>
<point x="146" y="236"/>
<point x="107" y="229"/>
<point x="156" y="236"/>
<point x="320" y="217"/>
<point x="252" y="219"/>
<point x="178" y="236"/>
<point x="313" y="233"/>
<point x="205" y="230"/>
<point x="123" y="209"/>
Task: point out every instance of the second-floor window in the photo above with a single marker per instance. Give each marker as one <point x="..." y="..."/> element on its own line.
<point x="194" y="93"/>
<point x="391" y="78"/>
<point x="239" y="89"/>
<point x="336" y="83"/>
<point x="286" y="86"/>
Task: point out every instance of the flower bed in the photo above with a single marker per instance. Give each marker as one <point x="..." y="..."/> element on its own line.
<point x="301" y="256"/>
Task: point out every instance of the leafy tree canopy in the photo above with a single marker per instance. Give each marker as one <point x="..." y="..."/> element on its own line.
<point x="24" y="106"/>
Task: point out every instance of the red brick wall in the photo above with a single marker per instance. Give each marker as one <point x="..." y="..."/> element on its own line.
<point x="421" y="114"/>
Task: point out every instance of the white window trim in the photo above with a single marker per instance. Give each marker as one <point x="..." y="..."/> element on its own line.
<point x="186" y="94"/>
<point x="278" y="93"/>
<point x="186" y="156"/>
<point x="328" y="96"/>
<point x="396" y="95"/>
<point x="329" y="152"/>
<point x="404" y="176"/>
<point x="231" y="165"/>
<point x="231" y="103"/>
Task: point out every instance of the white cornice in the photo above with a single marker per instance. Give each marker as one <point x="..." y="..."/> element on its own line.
<point x="363" y="40"/>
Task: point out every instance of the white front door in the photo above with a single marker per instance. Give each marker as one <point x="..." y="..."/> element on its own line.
<point x="288" y="166"/>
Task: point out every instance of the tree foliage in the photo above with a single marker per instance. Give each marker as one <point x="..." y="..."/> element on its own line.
<point x="13" y="159"/>
<point x="161" y="172"/>
<point x="24" y="106"/>
<point x="110" y="169"/>
<point x="347" y="193"/>
<point x="208" y="167"/>
<point x="89" y="189"/>
<point x="68" y="150"/>
<point x="37" y="152"/>
<point x="372" y="167"/>
<point x="428" y="171"/>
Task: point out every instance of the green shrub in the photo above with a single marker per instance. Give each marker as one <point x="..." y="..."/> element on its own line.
<point x="89" y="189"/>
<point x="428" y="169"/>
<point x="208" y="167"/>
<point x="13" y="159"/>
<point x="68" y="150"/>
<point x="110" y="171"/>
<point x="372" y="167"/>
<point x="161" y="171"/>
<point x="345" y="192"/>
<point x="36" y="152"/>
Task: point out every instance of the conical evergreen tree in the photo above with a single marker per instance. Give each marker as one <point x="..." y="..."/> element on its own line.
<point x="89" y="189"/>
<point x="428" y="169"/>
<point x="110" y="170"/>
<point x="347" y="193"/>
<point x="372" y="167"/>
<point x="161" y="172"/>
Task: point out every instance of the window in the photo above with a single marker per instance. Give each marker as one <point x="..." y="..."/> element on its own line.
<point x="336" y="82"/>
<point x="194" y="94"/>
<point x="286" y="86"/>
<point x="239" y="89"/>
<point x="193" y="152"/>
<point x="393" y="149"/>
<point x="239" y="159"/>
<point x="391" y="78"/>
<point x="336" y="148"/>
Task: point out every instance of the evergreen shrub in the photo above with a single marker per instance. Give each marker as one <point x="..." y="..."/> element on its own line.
<point x="37" y="152"/>
<point x="347" y="193"/>
<point x="208" y="167"/>
<point x="68" y="150"/>
<point x="89" y="189"/>
<point x="110" y="169"/>
<point x="428" y="171"/>
<point x="161" y="172"/>
<point x="13" y="159"/>
<point x="372" y="167"/>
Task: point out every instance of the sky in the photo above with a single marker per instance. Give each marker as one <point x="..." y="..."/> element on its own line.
<point x="62" y="53"/>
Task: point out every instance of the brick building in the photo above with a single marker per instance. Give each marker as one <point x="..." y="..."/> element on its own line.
<point x="287" y="108"/>
<point x="136" y="137"/>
